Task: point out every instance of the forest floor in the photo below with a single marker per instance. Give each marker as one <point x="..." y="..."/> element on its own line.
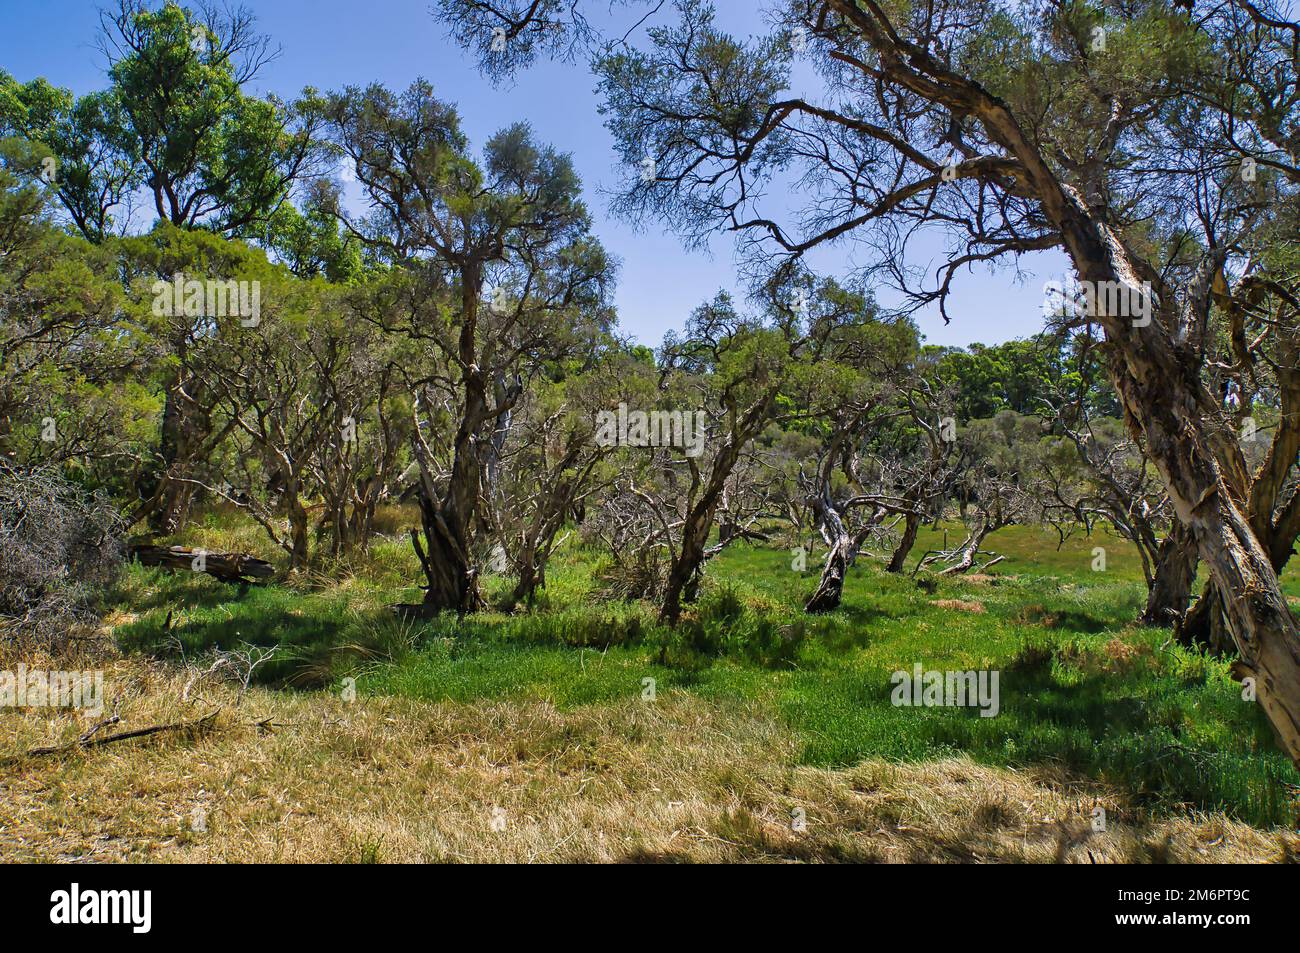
<point x="583" y="731"/>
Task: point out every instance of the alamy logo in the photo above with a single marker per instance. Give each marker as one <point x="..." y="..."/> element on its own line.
<point x="655" y="428"/>
<point x="936" y="689"/>
<point x="37" y="688"/>
<point x="181" y="298"/>
<point x="134" y="907"/>
<point x="1093" y="299"/>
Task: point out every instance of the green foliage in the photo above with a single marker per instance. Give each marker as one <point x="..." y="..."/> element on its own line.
<point x="71" y="353"/>
<point x="213" y="155"/>
<point x="93" y="163"/>
<point x="174" y="120"/>
<point x="313" y="244"/>
<point x="1022" y="375"/>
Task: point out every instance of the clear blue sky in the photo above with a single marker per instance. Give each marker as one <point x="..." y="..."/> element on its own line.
<point x="333" y="43"/>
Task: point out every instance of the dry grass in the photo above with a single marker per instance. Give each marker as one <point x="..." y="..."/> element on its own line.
<point x="679" y="779"/>
<point x="958" y="604"/>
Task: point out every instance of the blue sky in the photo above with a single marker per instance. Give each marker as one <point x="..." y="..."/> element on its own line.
<point x="335" y="43"/>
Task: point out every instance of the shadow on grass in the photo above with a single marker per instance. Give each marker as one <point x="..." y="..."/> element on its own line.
<point x="1136" y="727"/>
<point x="316" y="636"/>
<point x="1068" y="617"/>
<point x="863" y="615"/>
<point x="160" y="589"/>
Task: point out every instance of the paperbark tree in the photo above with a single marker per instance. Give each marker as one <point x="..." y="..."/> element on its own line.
<point x="514" y="228"/>
<point x="731" y="370"/>
<point x="176" y="123"/>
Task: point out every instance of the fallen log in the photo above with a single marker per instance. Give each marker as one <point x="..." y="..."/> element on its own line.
<point x="228" y="567"/>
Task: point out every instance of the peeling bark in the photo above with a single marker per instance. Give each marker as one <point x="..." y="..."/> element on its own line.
<point x="1171" y="584"/>
<point x="448" y="518"/>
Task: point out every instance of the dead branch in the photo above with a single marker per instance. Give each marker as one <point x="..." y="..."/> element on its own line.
<point x="197" y="728"/>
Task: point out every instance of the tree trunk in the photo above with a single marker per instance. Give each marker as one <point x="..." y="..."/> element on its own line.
<point x="530" y="576"/>
<point x="1205" y="627"/>
<point x="911" y="526"/>
<point x="690" y="557"/>
<point x="174" y="497"/>
<point x="298" y="526"/>
<point x="450" y="575"/>
<point x="1171" y="585"/>
<point x="525" y="590"/>
<point x="970" y="548"/>
<point x="830" y="588"/>
<point x="452" y="580"/>
<point x="228" y="567"/>
<point x="448" y="519"/>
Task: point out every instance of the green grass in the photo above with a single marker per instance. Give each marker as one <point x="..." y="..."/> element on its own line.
<point x="1081" y="687"/>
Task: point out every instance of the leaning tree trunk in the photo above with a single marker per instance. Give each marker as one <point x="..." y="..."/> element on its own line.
<point x="1171" y="585"/>
<point x="1206" y="625"/>
<point x="911" y="525"/>
<point x="684" y="573"/>
<point x="690" y="557"/>
<point x="966" y="554"/>
<point x="538" y="538"/>
<point x="1167" y="406"/>
<point x="1165" y="402"/>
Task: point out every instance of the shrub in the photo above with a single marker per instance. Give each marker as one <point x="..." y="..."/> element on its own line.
<point x="59" y="548"/>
